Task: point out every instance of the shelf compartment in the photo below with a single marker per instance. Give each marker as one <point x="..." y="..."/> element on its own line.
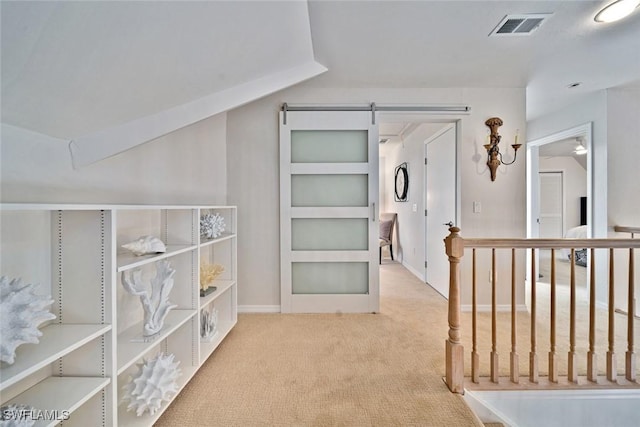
<point x="207" y="348"/>
<point x="222" y="286"/>
<point x="130" y="419"/>
<point x="129" y="352"/>
<point x="59" y="394"/>
<point x="127" y="261"/>
<point x="55" y="342"/>
<point x="225" y="236"/>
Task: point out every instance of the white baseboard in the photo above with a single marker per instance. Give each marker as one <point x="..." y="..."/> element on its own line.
<point x="413" y="271"/>
<point x="258" y="309"/>
<point x="487" y="307"/>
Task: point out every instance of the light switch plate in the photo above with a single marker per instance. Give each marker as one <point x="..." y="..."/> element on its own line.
<point x="415" y="207"/>
<point x="477" y="207"/>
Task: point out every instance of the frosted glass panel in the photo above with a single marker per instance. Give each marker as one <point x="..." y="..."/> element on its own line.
<point x="330" y="277"/>
<point x="329" y="146"/>
<point x="329" y="190"/>
<point x="321" y="234"/>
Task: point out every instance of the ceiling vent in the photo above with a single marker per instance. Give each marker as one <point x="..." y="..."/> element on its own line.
<point x="384" y="140"/>
<point x="519" y="25"/>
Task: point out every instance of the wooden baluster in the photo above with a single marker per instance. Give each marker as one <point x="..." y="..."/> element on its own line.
<point x="475" y="357"/>
<point x="515" y="374"/>
<point x="592" y="369"/>
<point x="454" y="350"/>
<point x="533" y="357"/>
<point x="612" y="374"/>
<point x="630" y="366"/>
<point x="573" y="373"/>
<point x="553" y="366"/>
<point x="494" y="320"/>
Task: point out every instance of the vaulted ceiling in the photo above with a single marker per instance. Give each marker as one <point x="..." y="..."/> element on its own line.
<point x="71" y="69"/>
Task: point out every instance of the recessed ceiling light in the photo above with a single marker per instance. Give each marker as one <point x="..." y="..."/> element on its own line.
<point x="616" y="10"/>
<point x="572" y="85"/>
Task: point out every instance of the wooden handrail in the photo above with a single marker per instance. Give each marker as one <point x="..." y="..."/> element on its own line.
<point x="552" y="243"/>
<point x="626" y="229"/>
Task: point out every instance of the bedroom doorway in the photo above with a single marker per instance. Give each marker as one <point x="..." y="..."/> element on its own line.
<point x="559" y="195"/>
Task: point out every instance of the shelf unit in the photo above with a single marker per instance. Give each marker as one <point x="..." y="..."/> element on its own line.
<point x="86" y="355"/>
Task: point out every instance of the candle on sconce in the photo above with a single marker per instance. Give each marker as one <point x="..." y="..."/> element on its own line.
<point x="517" y="132"/>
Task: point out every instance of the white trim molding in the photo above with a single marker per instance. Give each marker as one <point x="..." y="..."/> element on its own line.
<point x="258" y="309"/>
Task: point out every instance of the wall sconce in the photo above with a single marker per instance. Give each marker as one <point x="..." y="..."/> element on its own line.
<point x="494" y="156"/>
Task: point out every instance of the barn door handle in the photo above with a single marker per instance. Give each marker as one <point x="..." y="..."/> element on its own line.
<point x="449" y="224"/>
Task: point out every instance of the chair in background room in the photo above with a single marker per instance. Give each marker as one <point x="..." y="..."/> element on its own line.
<point x="387" y="223"/>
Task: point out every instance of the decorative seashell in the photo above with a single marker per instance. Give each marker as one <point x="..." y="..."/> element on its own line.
<point x="208" y="273"/>
<point x="153" y="384"/>
<point x="209" y="324"/>
<point x="146" y="245"/>
<point x="156" y="303"/>
<point x="211" y="226"/>
<point x="21" y="313"/>
<point x="17" y="416"/>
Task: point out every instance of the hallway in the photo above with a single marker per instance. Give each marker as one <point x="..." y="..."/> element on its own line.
<point x="331" y="369"/>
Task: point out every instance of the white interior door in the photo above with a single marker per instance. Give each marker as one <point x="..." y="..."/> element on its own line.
<point x="551" y="205"/>
<point x="440" y="196"/>
<point x="329" y="212"/>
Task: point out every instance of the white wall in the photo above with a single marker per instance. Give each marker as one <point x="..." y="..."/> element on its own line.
<point x="623" y="136"/>
<point x="253" y="177"/>
<point x="184" y="167"/>
<point x="575" y="185"/>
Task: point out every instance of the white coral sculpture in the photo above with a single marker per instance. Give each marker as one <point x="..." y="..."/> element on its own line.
<point x="153" y="384"/>
<point x="209" y="324"/>
<point x="156" y="303"/>
<point x="211" y="225"/>
<point x="21" y="312"/>
<point x="146" y="245"/>
<point x="17" y="416"/>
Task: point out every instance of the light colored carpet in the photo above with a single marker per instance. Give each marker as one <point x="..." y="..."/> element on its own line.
<point x="331" y="370"/>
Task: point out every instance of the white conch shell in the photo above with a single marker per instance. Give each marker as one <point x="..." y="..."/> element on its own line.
<point x="146" y="245"/>
<point x="156" y="305"/>
<point x="209" y="323"/>
<point x="153" y="384"/>
<point x="21" y="312"/>
<point x="17" y="416"/>
<point x="211" y="225"/>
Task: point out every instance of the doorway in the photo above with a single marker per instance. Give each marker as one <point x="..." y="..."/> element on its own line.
<point x="559" y="177"/>
<point x="421" y="134"/>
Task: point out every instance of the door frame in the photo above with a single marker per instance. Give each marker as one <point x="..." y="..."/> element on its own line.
<point x="596" y="224"/>
<point x="422" y="117"/>
<point x="533" y="168"/>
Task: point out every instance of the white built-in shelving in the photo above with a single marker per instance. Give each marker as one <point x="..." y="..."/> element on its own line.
<point x="86" y="355"/>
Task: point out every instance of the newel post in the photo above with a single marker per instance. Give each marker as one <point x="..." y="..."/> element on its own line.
<point x="454" y="353"/>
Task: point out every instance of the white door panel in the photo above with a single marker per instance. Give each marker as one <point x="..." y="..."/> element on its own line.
<point x="440" y="193"/>
<point x="329" y="212"/>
